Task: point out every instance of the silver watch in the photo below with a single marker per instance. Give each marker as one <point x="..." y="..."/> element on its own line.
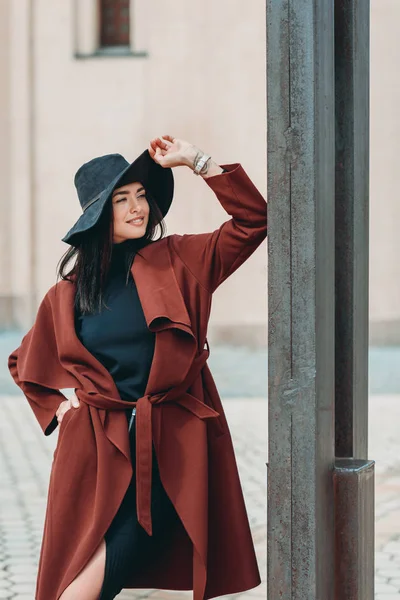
<point x="200" y="163"/>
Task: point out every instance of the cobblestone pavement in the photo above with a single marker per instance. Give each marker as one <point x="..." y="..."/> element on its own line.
<point x="25" y="459"/>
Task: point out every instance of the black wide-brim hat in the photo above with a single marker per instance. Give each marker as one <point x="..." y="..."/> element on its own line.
<point x="96" y="180"/>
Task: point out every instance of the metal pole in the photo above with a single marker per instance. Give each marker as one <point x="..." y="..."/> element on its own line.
<point x="352" y="222"/>
<point x="301" y="158"/>
<point x="353" y="473"/>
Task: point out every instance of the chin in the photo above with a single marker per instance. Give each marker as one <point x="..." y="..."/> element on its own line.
<point x="135" y="235"/>
<point x="130" y="233"/>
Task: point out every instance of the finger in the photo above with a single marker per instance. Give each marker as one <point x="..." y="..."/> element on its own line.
<point x="159" y="157"/>
<point x="167" y="141"/>
<point x="63" y="413"/>
<point x="161" y="143"/>
<point x="75" y="401"/>
<point x="155" y="157"/>
<point x="60" y="408"/>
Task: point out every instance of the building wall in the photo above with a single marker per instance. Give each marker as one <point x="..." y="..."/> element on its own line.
<point x="203" y="80"/>
<point x="5" y="134"/>
<point x="385" y="204"/>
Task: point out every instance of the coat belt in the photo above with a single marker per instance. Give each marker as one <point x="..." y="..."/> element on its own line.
<point x="144" y="449"/>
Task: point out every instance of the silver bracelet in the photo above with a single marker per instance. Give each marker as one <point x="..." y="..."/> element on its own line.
<point x="200" y="163"/>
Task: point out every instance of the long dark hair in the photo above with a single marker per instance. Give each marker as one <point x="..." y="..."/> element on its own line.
<point x="93" y="255"/>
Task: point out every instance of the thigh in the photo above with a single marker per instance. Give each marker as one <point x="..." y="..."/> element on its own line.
<point x="122" y="553"/>
<point x="89" y="581"/>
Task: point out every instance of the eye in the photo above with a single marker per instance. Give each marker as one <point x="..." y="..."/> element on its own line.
<point x="123" y="199"/>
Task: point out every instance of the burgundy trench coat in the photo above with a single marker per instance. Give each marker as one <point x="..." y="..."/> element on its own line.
<point x="212" y="550"/>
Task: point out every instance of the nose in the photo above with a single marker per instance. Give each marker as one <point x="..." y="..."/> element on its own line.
<point x="134" y="204"/>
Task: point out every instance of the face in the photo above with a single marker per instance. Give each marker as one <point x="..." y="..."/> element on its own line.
<point x="130" y="212"/>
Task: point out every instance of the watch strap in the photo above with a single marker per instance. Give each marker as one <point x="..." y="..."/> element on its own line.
<point x="200" y="163"/>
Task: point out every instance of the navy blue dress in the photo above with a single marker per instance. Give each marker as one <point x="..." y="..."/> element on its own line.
<point x="119" y="338"/>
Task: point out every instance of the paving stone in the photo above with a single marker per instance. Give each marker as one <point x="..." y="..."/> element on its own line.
<point x="22" y="568"/>
<point x="5" y="584"/>
<point x="16" y="545"/>
<point x="389" y="566"/>
<point x="385" y="588"/>
<point x="24" y="588"/>
<point x="392" y="573"/>
<point x="393" y="548"/>
<point x="22" y="578"/>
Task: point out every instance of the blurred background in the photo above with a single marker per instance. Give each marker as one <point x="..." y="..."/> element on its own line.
<point x="82" y="78"/>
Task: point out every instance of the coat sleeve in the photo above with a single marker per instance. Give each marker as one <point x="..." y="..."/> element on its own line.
<point x="212" y="257"/>
<point x="35" y="368"/>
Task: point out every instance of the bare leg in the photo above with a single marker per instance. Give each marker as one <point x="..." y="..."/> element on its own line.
<point x="87" y="585"/>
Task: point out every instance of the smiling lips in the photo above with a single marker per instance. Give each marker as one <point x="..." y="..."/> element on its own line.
<point x="136" y="222"/>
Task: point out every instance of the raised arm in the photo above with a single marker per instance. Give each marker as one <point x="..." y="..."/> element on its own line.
<point x="211" y="257"/>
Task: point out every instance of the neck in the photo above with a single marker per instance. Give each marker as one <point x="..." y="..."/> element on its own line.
<point x="119" y="255"/>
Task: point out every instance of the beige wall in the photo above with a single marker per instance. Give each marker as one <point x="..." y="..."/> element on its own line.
<point x="203" y="80"/>
<point x="5" y="159"/>
<point x="22" y="255"/>
<point x="385" y="198"/>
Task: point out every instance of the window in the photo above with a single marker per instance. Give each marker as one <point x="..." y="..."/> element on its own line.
<point x="114" y="23"/>
<point x="109" y="28"/>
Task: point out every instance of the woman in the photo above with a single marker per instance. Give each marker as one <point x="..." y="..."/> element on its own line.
<point x="144" y="488"/>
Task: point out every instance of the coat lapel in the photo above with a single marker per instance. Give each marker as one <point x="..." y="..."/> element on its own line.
<point x="166" y="314"/>
<point x="158" y="288"/>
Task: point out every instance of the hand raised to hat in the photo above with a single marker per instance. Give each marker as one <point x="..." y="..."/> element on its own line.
<point x="170" y="152"/>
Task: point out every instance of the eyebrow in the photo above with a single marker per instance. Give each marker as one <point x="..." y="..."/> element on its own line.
<point x="123" y="193"/>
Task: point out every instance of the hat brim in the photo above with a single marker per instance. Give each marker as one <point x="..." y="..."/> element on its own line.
<point x="156" y="179"/>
